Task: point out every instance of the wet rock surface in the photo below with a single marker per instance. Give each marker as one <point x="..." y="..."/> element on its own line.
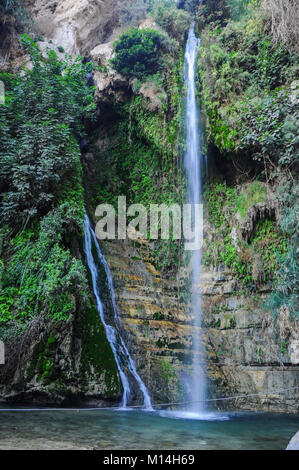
<point x="246" y="352"/>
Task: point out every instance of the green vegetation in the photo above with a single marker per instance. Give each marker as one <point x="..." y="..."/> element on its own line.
<point x="271" y="244"/>
<point x="135" y="165"/>
<point x="42" y="206"/>
<point x="39" y="133"/>
<point x="247" y="83"/>
<point x="173" y="20"/>
<point x="137" y="53"/>
<point x="169" y="376"/>
<point x="43" y="280"/>
<point x="97" y="356"/>
<point x="141" y="161"/>
<point x="222" y="202"/>
<point x="42" y="276"/>
<point x="42" y="361"/>
<point x="253" y="261"/>
<point x="247" y="70"/>
<point x="159" y="316"/>
<point x="246" y="89"/>
<point x="285" y="293"/>
<point x="255" y="193"/>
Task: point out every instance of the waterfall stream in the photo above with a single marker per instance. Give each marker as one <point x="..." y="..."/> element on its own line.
<point x="193" y="166"/>
<point x="119" y="349"/>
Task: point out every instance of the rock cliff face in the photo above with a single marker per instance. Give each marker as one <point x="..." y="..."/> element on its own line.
<point x="111" y="86"/>
<point x="76" y="25"/>
<point x="155" y="323"/>
<point x="246" y="352"/>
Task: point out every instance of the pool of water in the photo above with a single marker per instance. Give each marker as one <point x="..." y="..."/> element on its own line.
<point x="129" y="430"/>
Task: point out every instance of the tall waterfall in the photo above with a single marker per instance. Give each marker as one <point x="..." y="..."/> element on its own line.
<point x="121" y="354"/>
<point x="193" y="166"/>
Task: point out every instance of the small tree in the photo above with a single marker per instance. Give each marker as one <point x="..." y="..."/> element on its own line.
<point x="137" y="53"/>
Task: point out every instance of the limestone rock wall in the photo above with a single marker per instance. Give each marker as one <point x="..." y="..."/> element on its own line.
<point x="246" y="351"/>
<point x="76" y="25"/>
<point x="154" y="323"/>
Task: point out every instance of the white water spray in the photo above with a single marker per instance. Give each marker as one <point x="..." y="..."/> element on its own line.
<point x="119" y="349"/>
<point x="193" y="166"/>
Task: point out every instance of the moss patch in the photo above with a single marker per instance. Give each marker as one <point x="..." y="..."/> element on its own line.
<point x="96" y="357"/>
<point x="251" y="262"/>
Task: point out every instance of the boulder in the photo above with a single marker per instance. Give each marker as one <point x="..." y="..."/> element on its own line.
<point x="102" y="54"/>
<point x="153" y="96"/>
<point x="110" y="86"/>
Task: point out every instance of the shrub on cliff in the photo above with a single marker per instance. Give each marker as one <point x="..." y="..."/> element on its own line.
<point x="137" y="53"/>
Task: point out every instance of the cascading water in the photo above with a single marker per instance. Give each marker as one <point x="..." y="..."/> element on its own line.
<point x="193" y="166"/>
<point x="119" y="349"/>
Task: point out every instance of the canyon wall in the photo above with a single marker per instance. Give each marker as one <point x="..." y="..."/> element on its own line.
<point x="76" y="25"/>
<point x="248" y="351"/>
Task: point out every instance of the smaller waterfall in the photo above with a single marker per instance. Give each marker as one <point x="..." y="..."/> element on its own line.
<point x="119" y="349"/>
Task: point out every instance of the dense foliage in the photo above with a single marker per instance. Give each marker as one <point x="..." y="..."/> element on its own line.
<point x="39" y="128"/>
<point x="173" y="20"/>
<point x="137" y="53"/>
<point x="142" y="160"/>
<point x="248" y="88"/>
<point x="42" y="276"/>
<point x="255" y="260"/>
<point x="42" y="194"/>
